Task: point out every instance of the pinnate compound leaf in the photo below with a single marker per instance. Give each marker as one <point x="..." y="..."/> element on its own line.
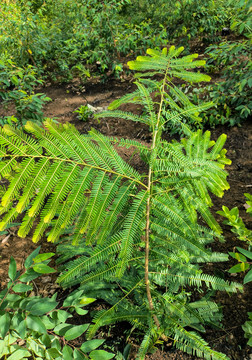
<point x="20" y="288"/>
<point x="91" y="345"/>
<point x="29" y="259"/>
<point x="12" y="269"/>
<point x="43" y="269"/>
<point x="101" y="355"/>
<point x="4" y="324"/>
<point x="248" y="277"/>
<point x="75" y="331"/>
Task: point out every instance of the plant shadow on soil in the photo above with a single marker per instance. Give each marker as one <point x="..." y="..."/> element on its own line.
<point x="67" y="98"/>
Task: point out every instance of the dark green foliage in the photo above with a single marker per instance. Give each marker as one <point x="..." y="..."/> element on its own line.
<point x="243" y="256"/>
<point x="17" y="86"/>
<point x="37" y="326"/>
<point x="137" y="236"/>
<point x="56" y="36"/>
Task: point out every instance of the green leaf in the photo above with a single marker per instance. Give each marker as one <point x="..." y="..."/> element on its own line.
<point x="80" y="311"/>
<point x="91" y="345"/>
<point x="78" y="355"/>
<point x="21" y="288"/>
<point x="29" y="259"/>
<point x="248" y="277"/>
<point x="75" y="331"/>
<point x="63" y="315"/>
<point x="5" y="321"/>
<point x="239" y="267"/>
<point x="54" y="353"/>
<point x="73" y="298"/>
<point x="101" y="355"/>
<point x="34" y="323"/>
<point x="43" y="269"/>
<point x="247" y="253"/>
<point x="42" y="257"/>
<point x="21" y="329"/>
<point x="238" y="256"/>
<point x="29" y="275"/>
<point x="67" y="353"/>
<point x="42" y="306"/>
<point x="61" y="329"/>
<point x="85" y="300"/>
<point x="12" y="269"/>
<point x="19" y="354"/>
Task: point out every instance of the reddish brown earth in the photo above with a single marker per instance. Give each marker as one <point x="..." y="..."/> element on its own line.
<point x="67" y="98"/>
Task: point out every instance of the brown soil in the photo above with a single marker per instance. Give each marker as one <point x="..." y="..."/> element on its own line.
<point x="67" y="98"/>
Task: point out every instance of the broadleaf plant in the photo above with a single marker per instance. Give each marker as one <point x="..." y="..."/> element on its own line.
<point x="36" y="326"/>
<point x="136" y="236"/>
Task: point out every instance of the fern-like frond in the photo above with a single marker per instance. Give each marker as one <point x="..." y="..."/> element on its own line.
<point x="74" y="270"/>
<point x="124" y="115"/>
<point x="160" y="61"/>
<point x="197" y="280"/>
<point x="57" y="168"/>
<point x="193" y="344"/>
<point x="133" y="225"/>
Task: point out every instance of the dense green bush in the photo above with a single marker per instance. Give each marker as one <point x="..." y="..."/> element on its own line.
<point x="56" y="35"/>
<point x="232" y="93"/>
<point x="243" y="256"/>
<point x="17" y="87"/>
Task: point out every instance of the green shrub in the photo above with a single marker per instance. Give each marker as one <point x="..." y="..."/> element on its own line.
<point x="17" y="85"/>
<point x="136" y="236"/>
<point x="36" y="326"/>
<point x="231" y="94"/>
<point x="243" y="256"/>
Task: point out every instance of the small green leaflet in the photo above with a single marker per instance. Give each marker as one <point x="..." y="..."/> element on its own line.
<point x="42" y="257"/>
<point x="91" y="345"/>
<point x="100" y="355"/>
<point x="34" y="323"/>
<point x="4" y="324"/>
<point x="19" y="354"/>
<point x="85" y="300"/>
<point x="239" y="267"/>
<point x="43" y="269"/>
<point x="29" y="259"/>
<point x="12" y="269"/>
<point x="21" y="288"/>
<point x="248" y="277"/>
<point x="76" y="331"/>
<point x="42" y="306"/>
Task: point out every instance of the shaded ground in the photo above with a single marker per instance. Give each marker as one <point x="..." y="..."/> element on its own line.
<point x="66" y="99"/>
